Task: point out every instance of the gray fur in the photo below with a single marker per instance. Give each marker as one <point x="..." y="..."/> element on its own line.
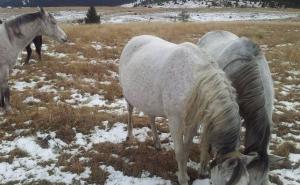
<point x="182" y="83"/>
<point x="247" y="68"/>
<point x="17" y="33"/>
<point x="13" y="26"/>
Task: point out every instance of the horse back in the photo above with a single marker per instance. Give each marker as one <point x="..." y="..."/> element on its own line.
<point x="156" y="74"/>
<point x="215" y="41"/>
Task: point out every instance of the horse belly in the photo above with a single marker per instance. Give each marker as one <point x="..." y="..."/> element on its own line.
<point x="141" y="90"/>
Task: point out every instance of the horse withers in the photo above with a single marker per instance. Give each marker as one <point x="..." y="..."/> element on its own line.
<point x="15" y="35"/>
<point x="247" y="68"/>
<point x="37" y="41"/>
<point x="181" y="83"/>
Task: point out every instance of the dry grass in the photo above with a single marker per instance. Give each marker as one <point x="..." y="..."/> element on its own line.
<point x="65" y="119"/>
<point x="285" y="149"/>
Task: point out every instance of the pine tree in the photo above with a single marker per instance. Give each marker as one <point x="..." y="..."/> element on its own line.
<point x="184" y="16"/>
<point x="91" y="16"/>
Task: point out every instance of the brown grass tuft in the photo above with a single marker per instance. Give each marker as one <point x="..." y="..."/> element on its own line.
<point x="285" y="149"/>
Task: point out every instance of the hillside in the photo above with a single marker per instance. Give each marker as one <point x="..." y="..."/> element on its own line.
<point x="45" y="3"/>
<point x="217" y="3"/>
<point x="151" y="3"/>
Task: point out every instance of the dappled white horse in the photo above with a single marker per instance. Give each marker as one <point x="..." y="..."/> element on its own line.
<point x="181" y="82"/>
<point x="15" y="35"/>
<point x="247" y="68"/>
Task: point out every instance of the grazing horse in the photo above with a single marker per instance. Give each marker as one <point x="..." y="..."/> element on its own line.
<point x="247" y="68"/>
<point x="37" y="41"/>
<point x="17" y="33"/>
<point x="181" y="83"/>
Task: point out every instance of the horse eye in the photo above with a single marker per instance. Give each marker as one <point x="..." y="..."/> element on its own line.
<point x="231" y="163"/>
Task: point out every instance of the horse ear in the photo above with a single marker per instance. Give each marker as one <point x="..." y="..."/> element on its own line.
<point x="42" y="10"/>
<point x="247" y="159"/>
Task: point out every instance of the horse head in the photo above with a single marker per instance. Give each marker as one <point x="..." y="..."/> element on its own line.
<point x="50" y="27"/>
<point x="231" y="169"/>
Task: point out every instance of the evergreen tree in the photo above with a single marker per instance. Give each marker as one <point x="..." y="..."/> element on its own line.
<point x="92" y="16"/>
<point x="184" y="16"/>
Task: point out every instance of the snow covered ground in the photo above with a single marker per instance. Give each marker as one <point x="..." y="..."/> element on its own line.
<point x="199" y="17"/>
<point x="28" y="156"/>
<point x="171" y="16"/>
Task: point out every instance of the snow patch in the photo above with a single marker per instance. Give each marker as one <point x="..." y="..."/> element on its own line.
<point x="31" y="99"/>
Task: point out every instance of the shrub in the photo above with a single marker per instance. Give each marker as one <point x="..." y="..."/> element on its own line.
<point x="183" y="16"/>
<point x="92" y="17"/>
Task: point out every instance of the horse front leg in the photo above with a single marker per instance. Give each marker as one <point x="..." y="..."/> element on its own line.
<point x="5" y="91"/>
<point x="38" y="41"/>
<point x="1" y="98"/>
<point x="155" y="134"/>
<point x="177" y="136"/>
<point x="189" y="134"/>
<point x="6" y="94"/>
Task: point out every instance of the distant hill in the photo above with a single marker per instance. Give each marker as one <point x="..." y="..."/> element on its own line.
<point x="197" y="3"/>
<point x="217" y="3"/>
<point x="45" y="3"/>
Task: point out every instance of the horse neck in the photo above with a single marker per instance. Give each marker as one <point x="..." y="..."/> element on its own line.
<point x="213" y="102"/>
<point x="258" y="130"/>
<point x="253" y="106"/>
<point x="29" y="31"/>
<point x="224" y="130"/>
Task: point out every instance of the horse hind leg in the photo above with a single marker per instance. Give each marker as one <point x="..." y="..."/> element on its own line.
<point x="129" y="126"/>
<point x="155" y="134"/>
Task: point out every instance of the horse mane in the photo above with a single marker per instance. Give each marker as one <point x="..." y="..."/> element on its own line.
<point x="246" y="78"/>
<point x="213" y="102"/>
<point x="13" y="26"/>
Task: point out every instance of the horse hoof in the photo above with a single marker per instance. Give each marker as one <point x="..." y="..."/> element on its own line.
<point x="157" y="146"/>
<point x="129" y="138"/>
<point x="9" y="111"/>
<point x="203" y="171"/>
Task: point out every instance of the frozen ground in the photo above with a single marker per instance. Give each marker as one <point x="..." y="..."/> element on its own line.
<point x="34" y="156"/>
<point x="171" y="16"/>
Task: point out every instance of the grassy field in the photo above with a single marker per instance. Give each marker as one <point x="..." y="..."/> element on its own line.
<point x="62" y="89"/>
<point x="142" y="10"/>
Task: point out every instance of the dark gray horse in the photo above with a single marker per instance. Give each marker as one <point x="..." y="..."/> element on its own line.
<point x="37" y="41"/>
<point x="15" y="35"/>
<point x="247" y="68"/>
